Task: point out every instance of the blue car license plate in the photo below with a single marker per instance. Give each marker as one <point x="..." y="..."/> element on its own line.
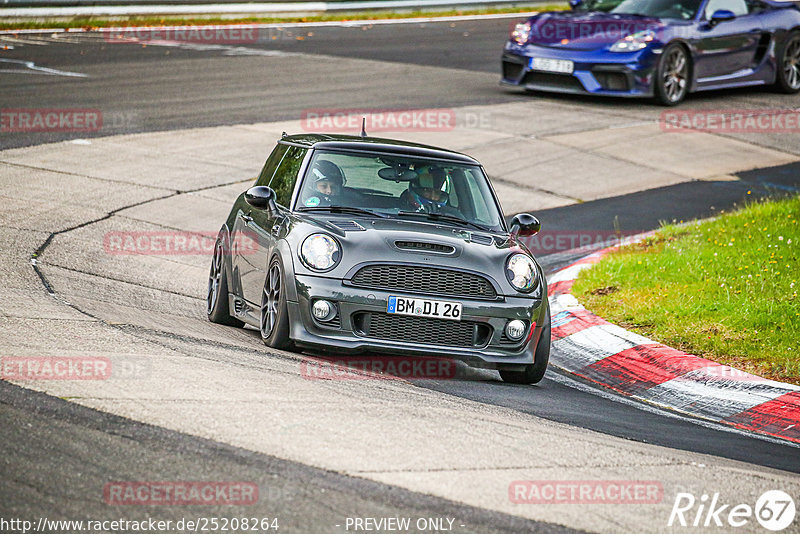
<point x="562" y="66"/>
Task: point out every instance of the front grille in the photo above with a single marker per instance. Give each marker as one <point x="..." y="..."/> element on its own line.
<point x="426" y="280"/>
<point x="420" y="246"/>
<point x="612" y="81"/>
<point x="409" y="329"/>
<point x="512" y="71"/>
<point x="556" y="81"/>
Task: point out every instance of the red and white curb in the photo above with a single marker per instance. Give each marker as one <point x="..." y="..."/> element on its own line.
<point x="596" y="350"/>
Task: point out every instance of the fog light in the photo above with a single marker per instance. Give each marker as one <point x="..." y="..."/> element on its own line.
<point x="515" y="329"/>
<point x="323" y="310"/>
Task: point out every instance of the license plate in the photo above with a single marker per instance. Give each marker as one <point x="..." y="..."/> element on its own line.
<point x="563" y="66"/>
<point x="438" y="309"/>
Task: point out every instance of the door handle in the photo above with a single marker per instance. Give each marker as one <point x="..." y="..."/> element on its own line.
<point x="247" y="218"/>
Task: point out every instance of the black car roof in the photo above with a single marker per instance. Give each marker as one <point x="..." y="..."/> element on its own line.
<point x="375" y="144"/>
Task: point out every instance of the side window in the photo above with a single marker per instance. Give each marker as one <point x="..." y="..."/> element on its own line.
<point x="755" y="6"/>
<point x="272" y="163"/>
<point x="286" y="175"/>
<point x="739" y="7"/>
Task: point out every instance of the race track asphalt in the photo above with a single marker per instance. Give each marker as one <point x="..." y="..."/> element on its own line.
<point x="438" y="65"/>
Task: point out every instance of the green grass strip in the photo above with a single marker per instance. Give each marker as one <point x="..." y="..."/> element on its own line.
<point x="724" y="288"/>
<point x="92" y="23"/>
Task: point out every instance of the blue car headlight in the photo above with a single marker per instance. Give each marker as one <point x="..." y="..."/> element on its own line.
<point x="634" y="42"/>
<point x="521" y="32"/>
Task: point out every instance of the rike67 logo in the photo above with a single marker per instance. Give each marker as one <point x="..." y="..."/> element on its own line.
<point x="774" y="510"/>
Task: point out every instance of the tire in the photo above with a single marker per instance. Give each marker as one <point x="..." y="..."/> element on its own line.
<point x="274" y="323"/>
<point x="533" y="373"/>
<point x="672" y="78"/>
<point x="217" y="296"/>
<point x="787" y="79"/>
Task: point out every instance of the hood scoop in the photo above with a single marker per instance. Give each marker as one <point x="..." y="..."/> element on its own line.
<point x="348" y="226"/>
<point x="482" y="239"/>
<point x="471" y="237"/>
<point x="422" y="246"/>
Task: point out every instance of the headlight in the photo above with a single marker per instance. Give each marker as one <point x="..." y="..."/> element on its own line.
<point x="320" y="252"/>
<point x="635" y="42"/>
<point x="521" y="32"/>
<point x="521" y="272"/>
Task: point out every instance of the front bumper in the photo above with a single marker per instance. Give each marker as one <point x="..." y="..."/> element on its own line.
<point x="596" y="72"/>
<point x="348" y="335"/>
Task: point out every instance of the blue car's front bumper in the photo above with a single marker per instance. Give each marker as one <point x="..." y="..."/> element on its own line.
<point x="597" y="72"/>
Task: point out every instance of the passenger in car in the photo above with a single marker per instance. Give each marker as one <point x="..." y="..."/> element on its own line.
<point x="325" y="181"/>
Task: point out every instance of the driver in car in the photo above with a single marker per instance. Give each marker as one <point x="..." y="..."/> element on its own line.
<point x="425" y="193"/>
<point x="325" y="181"/>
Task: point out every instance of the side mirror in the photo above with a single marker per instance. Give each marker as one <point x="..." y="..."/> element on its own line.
<point x="261" y="197"/>
<point x="721" y="15"/>
<point x="574" y="4"/>
<point x="525" y="225"/>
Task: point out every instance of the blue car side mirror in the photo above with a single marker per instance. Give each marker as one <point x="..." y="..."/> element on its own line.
<point x="722" y="15"/>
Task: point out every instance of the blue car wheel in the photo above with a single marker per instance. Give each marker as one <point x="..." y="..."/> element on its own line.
<point x="672" y="80"/>
<point x="788" y="79"/>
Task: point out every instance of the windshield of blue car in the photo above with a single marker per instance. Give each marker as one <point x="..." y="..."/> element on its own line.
<point x="399" y="186"/>
<point x="664" y="9"/>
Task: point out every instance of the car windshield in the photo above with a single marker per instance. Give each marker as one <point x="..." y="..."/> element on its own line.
<point x="664" y="9"/>
<point x="398" y="186"/>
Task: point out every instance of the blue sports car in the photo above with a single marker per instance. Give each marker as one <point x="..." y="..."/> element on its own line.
<point x="656" y="48"/>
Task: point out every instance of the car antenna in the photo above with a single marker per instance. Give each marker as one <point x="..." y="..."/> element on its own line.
<point x="363" y="127"/>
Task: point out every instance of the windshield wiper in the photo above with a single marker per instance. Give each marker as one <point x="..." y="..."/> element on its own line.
<point x="442" y="217"/>
<point x="344" y="209"/>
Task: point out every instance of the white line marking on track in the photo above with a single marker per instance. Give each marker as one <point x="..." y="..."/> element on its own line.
<point x="225" y="49"/>
<point x="32" y="68"/>
<point x="38" y="42"/>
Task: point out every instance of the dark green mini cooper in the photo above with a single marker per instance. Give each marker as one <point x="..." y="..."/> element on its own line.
<point x="356" y="244"/>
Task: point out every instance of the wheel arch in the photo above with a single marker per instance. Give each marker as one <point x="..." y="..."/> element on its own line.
<point x="283" y="252"/>
<point x="227" y="256"/>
